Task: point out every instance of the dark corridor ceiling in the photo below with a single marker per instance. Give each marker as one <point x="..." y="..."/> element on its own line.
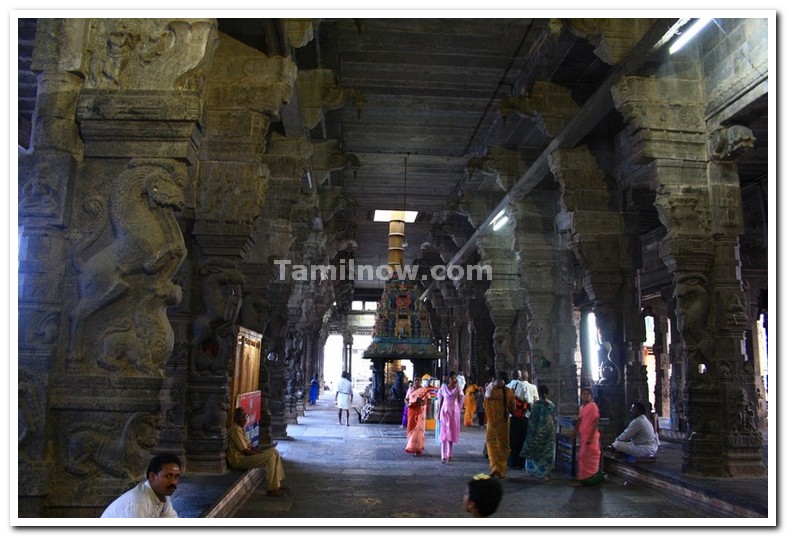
<point x="432" y="90"/>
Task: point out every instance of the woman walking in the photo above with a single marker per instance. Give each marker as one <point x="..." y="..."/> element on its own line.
<point x="470" y="402"/>
<point x="416" y="418"/>
<point x="539" y="447"/>
<point x="498" y="404"/>
<point x="449" y="411"/>
<point x="314" y="390"/>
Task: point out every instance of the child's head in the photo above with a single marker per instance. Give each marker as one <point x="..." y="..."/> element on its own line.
<point x="483" y="496"/>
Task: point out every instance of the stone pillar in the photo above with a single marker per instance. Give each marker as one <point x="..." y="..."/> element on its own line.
<point x="540" y="267"/>
<point x="278" y="328"/>
<point x="596" y="236"/>
<point x="498" y="170"/>
<point x="244" y="88"/>
<point x="46" y="184"/>
<point x="347" y="353"/>
<point x="116" y="194"/>
<point x="546" y="269"/>
<point x="698" y="200"/>
<point x="662" y="403"/>
<point x="378" y="381"/>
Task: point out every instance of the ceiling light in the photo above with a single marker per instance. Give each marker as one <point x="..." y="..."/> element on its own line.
<point x="499" y="223"/>
<point x="499" y="220"/>
<point x="384" y="215"/>
<point x="689" y="34"/>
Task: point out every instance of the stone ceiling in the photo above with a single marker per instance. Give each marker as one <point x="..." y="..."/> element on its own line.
<point x="432" y="93"/>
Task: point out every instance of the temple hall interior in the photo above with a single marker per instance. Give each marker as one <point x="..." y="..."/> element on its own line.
<point x="214" y="212"/>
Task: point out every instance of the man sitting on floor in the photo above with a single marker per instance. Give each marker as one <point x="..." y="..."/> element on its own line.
<point x="241" y="455"/>
<point x="639" y="439"/>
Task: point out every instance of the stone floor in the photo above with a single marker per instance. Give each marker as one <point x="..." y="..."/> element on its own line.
<point x="361" y="475"/>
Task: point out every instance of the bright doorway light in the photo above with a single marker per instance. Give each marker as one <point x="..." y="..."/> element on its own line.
<point x="593" y="345"/>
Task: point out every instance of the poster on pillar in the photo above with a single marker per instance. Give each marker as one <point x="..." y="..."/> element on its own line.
<point x="251" y="402"/>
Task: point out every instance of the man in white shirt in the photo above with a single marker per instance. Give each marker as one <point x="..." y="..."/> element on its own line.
<point x="344" y="396"/>
<point x="150" y="499"/>
<point x="460" y="381"/>
<point x="517" y="426"/>
<point x="639" y="439"/>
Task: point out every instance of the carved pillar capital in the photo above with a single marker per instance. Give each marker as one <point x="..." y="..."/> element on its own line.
<point x="299" y="31"/>
<point x="499" y="169"/>
<point x="665" y="115"/>
<point x="549" y="105"/>
<point x="319" y="91"/>
<point x="327" y="156"/>
<point x="728" y="143"/>
<point x="613" y="38"/>
<point x="685" y="213"/>
<point x="147" y="54"/>
<point x="287" y="158"/>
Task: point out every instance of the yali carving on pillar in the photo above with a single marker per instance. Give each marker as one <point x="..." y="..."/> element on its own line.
<point x="214" y="329"/>
<point x="125" y="265"/>
<point x="505" y="357"/>
<point x="693" y="304"/>
<point x="120" y="453"/>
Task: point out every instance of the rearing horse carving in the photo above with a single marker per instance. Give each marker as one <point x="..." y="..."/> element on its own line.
<point x="144" y="251"/>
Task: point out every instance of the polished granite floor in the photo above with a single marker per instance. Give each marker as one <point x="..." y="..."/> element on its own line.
<point x="361" y="476"/>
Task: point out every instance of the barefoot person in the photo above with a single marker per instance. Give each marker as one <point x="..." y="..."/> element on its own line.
<point x="416" y="418"/>
<point x="589" y="457"/>
<point x="344" y="396"/>
<point x="241" y="455"/>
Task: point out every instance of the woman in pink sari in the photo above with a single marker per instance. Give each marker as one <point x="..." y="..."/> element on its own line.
<point x="589" y="456"/>
<point x="449" y="412"/>
<point x="416" y="401"/>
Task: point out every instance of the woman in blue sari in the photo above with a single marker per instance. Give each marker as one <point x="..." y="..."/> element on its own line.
<point x="539" y="448"/>
<point x="314" y="390"/>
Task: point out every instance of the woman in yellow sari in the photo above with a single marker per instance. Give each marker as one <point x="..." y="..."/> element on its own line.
<point x="470" y="404"/>
<point x="416" y="401"/>
<point x="498" y="405"/>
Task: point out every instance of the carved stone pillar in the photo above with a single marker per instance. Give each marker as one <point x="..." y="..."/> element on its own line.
<point x="596" y="235"/>
<point x="498" y="170"/>
<point x="244" y="88"/>
<point x="347" y="352"/>
<point x="663" y="403"/>
<point x="545" y="311"/>
<point x="114" y="194"/>
<point x="698" y="200"/>
<point x="546" y="271"/>
<point x="46" y="184"/>
<point x="278" y="293"/>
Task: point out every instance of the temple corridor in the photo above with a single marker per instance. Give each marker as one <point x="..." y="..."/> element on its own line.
<point x="215" y="212"/>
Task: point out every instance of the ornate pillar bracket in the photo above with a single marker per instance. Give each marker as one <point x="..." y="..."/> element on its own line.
<point x="498" y="170"/>
<point x="327" y="156"/>
<point x="613" y="38"/>
<point x="319" y="92"/>
<point x="550" y="106"/>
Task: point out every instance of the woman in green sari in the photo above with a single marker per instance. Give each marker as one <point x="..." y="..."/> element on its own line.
<point x="539" y="447"/>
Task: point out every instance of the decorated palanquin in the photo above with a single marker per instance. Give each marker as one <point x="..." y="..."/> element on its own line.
<point x="402" y="328"/>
